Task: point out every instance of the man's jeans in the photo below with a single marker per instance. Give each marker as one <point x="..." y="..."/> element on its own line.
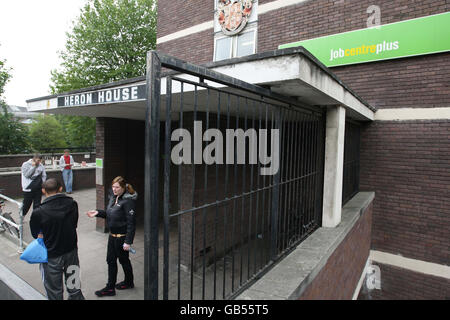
<point x="66" y="266"/>
<point x="67" y="177"/>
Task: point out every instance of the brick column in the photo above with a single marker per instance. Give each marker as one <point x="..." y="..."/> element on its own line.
<point x="111" y="147"/>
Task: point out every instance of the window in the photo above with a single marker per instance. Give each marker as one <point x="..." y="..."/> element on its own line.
<point x="239" y="45"/>
<point x="229" y="45"/>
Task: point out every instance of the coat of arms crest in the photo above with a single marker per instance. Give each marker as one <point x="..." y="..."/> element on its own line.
<point x="233" y="15"/>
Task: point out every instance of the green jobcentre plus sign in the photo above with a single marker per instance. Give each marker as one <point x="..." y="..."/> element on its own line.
<point x="407" y="38"/>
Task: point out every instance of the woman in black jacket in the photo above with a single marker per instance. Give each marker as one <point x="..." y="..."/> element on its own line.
<point x="121" y="221"/>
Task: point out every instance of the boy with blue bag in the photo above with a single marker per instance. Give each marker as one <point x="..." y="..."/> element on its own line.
<point x="56" y="221"/>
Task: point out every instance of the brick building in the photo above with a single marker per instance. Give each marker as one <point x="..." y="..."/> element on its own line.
<point x="378" y="195"/>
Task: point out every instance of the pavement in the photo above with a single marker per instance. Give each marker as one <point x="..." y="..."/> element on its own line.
<point x="213" y="282"/>
<point x="91" y="252"/>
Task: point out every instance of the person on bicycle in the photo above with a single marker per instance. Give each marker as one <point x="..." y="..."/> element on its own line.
<point x="121" y="220"/>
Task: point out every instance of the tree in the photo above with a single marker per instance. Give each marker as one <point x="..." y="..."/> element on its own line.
<point x="45" y="133"/>
<point x="13" y="134"/>
<point x="79" y="131"/>
<point x="109" y="42"/>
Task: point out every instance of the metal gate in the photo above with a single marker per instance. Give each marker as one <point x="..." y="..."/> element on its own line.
<point x="233" y="180"/>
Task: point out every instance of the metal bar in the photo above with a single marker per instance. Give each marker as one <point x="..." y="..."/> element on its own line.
<point x="234" y="202"/>
<point x="297" y="226"/>
<point x="151" y="194"/>
<point x="302" y="182"/>
<point x="167" y="188"/>
<point x="193" y="202"/>
<point x="275" y="204"/>
<point x="257" y="203"/>
<point x="18" y="226"/>
<point x="251" y="201"/>
<point x="205" y="73"/>
<point x="205" y="195"/>
<point x="263" y="193"/>
<point x="9" y="222"/>
<point x="217" y="208"/>
<point x="179" y="199"/>
<point x="244" y="167"/>
<point x="226" y="210"/>
<point x="285" y="239"/>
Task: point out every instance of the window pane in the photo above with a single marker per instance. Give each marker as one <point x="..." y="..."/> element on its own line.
<point x="245" y="44"/>
<point x="223" y="49"/>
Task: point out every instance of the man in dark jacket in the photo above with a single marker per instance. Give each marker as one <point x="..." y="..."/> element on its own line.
<point x="56" y="221"/>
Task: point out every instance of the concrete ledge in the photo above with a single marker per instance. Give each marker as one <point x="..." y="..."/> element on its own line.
<point x="292" y="275"/>
<point x="18" y="172"/>
<point x="14" y="288"/>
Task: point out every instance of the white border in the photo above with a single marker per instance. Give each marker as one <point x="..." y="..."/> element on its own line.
<point x="433" y="269"/>
<point x="412" y="114"/>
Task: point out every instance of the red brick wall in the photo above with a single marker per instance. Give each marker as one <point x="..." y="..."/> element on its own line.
<point x="339" y="277"/>
<point x="7" y="161"/>
<point x="402" y="284"/>
<point x="422" y="81"/>
<point x="197" y="48"/>
<point x="121" y="145"/>
<point x="407" y="164"/>
<point x="174" y="16"/>
<point x="309" y="19"/>
<point x="312" y="19"/>
<point x="12" y="184"/>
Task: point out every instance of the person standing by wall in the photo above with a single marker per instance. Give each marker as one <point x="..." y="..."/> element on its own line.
<point x="65" y="163"/>
<point x="33" y="175"/>
<point x="121" y="219"/>
<point x="56" y="221"/>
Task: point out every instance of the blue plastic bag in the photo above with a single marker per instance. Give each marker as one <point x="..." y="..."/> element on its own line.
<point x="36" y="252"/>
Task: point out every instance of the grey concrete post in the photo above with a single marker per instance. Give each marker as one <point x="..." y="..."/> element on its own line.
<point x="334" y="166"/>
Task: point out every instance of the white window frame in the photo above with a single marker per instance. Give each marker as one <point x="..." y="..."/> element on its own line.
<point x="233" y="48"/>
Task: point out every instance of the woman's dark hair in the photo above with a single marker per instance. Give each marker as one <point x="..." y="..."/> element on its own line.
<point x="121" y="181"/>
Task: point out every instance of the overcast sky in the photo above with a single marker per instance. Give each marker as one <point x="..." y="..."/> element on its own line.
<point x="31" y="34"/>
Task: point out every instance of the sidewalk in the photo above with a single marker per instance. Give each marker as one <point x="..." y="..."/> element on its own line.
<point x="91" y="251"/>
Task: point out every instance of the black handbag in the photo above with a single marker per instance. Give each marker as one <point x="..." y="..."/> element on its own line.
<point x="36" y="184"/>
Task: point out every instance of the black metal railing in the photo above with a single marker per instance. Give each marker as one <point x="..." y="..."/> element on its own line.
<point x="224" y="223"/>
<point x="351" y="161"/>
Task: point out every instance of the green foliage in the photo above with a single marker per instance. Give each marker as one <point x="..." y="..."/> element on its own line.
<point x="46" y="132"/>
<point x="4" y="77"/>
<point x="79" y="131"/>
<point x="13" y="134"/>
<point x="108" y="42"/>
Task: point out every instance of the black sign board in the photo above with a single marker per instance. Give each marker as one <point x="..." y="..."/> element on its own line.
<point x="104" y="96"/>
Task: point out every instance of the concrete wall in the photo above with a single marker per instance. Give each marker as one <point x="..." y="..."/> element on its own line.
<point x="16" y="160"/>
<point x="14" y="288"/>
<point x="340" y="276"/>
<point x="327" y="265"/>
<point x="400" y="284"/>
<point x="11" y="182"/>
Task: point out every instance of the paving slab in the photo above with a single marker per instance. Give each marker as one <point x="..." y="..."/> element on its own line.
<point x="91" y="251"/>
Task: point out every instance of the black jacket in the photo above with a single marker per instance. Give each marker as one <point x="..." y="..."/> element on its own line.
<point x="57" y="218"/>
<point x="121" y="217"/>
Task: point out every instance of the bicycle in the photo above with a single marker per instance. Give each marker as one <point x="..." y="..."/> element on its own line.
<point x="5" y="226"/>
